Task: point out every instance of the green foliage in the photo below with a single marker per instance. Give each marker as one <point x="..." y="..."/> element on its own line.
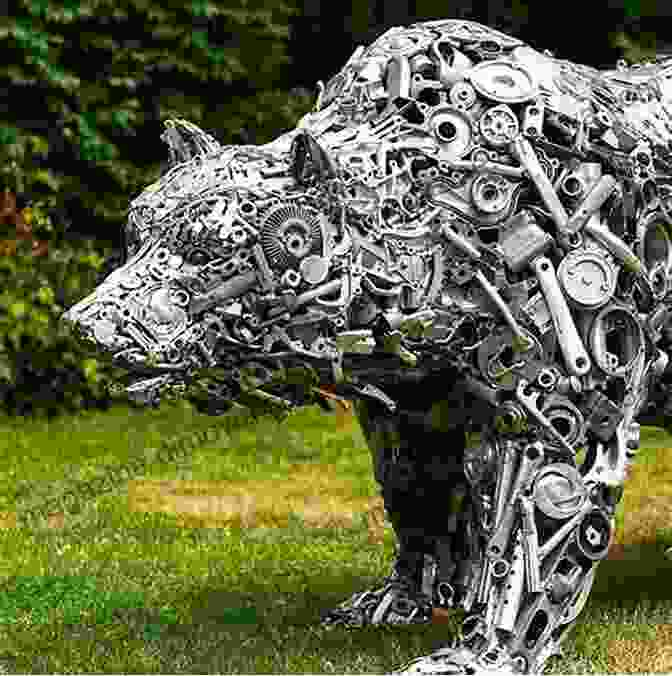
<point x="267" y="115"/>
<point x="18" y="170"/>
<point x="635" y="51"/>
<point x="105" y="74"/>
<point x="43" y="368"/>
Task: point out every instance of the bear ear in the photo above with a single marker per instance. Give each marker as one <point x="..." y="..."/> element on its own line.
<point x="310" y="161"/>
<point x="186" y="141"/>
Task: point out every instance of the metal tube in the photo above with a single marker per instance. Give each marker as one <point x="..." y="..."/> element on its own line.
<point x="504" y="478"/>
<point x="232" y="288"/>
<point x="591" y="203"/>
<point x="485" y="582"/>
<point x="489" y="167"/>
<point x="460" y="242"/>
<point x="615" y="245"/>
<point x="427" y="218"/>
<point x="563" y="532"/>
<point x="529" y="463"/>
<point x="264" y="268"/>
<point x="329" y="287"/>
<point x="512" y="592"/>
<point x="398" y="78"/>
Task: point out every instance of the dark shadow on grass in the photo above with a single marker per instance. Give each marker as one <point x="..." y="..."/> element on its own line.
<point x="641" y="572"/>
<point x="301" y="609"/>
<point x="229" y="609"/>
<point x="292" y="637"/>
<point x="286" y="624"/>
<point x="286" y="618"/>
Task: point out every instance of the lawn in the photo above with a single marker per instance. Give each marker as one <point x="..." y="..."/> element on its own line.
<point x="222" y="560"/>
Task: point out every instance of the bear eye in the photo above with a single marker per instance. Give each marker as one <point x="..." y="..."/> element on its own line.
<point x="198" y="257"/>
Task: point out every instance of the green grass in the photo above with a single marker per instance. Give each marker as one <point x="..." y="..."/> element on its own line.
<point x="40" y="460"/>
<point x="120" y="590"/>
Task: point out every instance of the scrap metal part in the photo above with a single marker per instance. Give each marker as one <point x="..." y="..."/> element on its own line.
<point x="457" y="203"/>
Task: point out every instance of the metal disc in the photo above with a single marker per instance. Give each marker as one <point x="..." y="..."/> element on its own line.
<point x="588" y="279"/>
<point x="453" y="130"/>
<point x="503" y="81"/>
<point x="559" y="491"/>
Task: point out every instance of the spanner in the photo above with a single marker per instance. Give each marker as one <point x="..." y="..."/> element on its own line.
<point x="530" y="461"/>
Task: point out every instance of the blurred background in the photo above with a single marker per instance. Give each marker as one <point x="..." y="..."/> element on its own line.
<point x="87" y="84"/>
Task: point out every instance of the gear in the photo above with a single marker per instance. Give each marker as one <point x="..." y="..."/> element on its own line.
<point x="289" y="233"/>
<point x="469" y="236"/>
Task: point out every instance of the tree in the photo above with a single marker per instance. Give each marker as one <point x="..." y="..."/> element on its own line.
<point x="86" y="88"/>
<point x="88" y="84"/>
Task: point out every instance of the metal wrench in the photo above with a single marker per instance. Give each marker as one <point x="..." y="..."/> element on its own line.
<point x="504" y="478"/>
<point x="512" y="592"/>
<point x="529" y="463"/>
<point x="530" y="545"/>
<point x="575" y="354"/>
<point x="563" y="532"/>
<point x="523" y="343"/>
<point x="525" y="154"/>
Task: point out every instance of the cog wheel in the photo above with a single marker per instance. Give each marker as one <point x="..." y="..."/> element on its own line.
<point x="289" y="233"/>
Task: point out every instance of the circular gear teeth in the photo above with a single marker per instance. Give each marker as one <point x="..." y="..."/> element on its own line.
<point x="289" y="233"/>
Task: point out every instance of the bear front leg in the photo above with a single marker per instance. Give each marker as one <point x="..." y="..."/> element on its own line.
<point x="543" y="529"/>
<point x="420" y="471"/>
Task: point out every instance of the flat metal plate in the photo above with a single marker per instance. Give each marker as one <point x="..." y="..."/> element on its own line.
<point x="503" y="81"/>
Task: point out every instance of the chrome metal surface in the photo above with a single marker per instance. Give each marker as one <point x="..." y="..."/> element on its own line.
<point x="456" y="200"/>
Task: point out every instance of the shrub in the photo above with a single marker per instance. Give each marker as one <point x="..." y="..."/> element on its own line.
<point x="43" y="369"/>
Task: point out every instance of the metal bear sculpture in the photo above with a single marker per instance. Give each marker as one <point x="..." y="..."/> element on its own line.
<point x="460" y="215"/>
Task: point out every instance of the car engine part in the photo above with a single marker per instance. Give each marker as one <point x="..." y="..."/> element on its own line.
<point x="456" y="200"/>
